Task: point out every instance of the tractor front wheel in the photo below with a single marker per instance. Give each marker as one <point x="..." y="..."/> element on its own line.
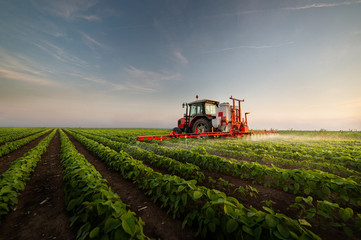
<point x="177" y="130"/>
<point x="203" y="125"/>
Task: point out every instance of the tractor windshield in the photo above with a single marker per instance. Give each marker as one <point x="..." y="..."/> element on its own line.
<point x="196" y="109"/>
<point x="211" y="109"/>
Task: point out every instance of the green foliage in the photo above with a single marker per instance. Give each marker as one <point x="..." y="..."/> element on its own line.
<point x="185" y="170"/>
<point x="11" y="134"/>
<point x="211" y="210"/>
<point x="324" y="212"/>
<point x="322" y="185"/>
<point x="95" y="207"/>
<point x="13" y="181"/>
<point x="9" y="147"/>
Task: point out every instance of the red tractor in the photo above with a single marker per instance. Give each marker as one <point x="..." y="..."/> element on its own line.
<point x="211" y="116"/>
<point x="199" y="115"/>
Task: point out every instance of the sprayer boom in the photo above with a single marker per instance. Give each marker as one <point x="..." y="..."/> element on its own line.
<point x="204" y="118"/>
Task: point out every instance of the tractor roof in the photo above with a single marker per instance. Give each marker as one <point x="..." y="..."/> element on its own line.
<point x="205" y="101"/>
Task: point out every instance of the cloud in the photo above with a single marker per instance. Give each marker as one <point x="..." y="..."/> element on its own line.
<point x="322" y="5"/>
<point x="147" y="81"/>
<point x="355" y="33"/>
<point x="91" y="18"/>
<point x="22" y="69"/>
<point x="247" y="47"/>
<point x="60" y="54"/>
<point x="150" y="76"/>
<point x="110" y="85"/>
<point x="26" y="77"/>
<point x="179" y="57"/>
<point x="69" y="9"/>
<point x="91" y="42"/>
<point x="46" y="26"/>
<point x="232" y="14"/>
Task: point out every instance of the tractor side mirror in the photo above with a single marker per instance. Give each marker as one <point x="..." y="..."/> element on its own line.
<point x="183" y="105"/>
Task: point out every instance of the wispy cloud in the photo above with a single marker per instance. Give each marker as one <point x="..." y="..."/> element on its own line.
<point x="91" y="17"/>
<point x="232" y="14"/>
<point x="314" y="5"/>
<point x="148" y="81"/>
<point x="247" y="47"/>
<point x="179" y="57"/>
<point x="101" y="81"/>
<point x="21" y="69"/>
<point x="46" y="26"/>
<point x="91" y="42"/>
<point x="69" y="9"/>
<point x="25" y="77"/>
<point x="322" y="5"/>
<point x="60" y="54"/>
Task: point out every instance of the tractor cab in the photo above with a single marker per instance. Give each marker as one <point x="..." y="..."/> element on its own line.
<point x="203" y="107"/>
<point x="199" y="115"/>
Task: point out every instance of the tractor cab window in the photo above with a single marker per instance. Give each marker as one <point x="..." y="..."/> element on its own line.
<point x="211" y="109"/>
<point x="196" y="109"/>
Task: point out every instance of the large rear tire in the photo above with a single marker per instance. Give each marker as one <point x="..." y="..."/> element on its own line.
<point x="203" y="125"/>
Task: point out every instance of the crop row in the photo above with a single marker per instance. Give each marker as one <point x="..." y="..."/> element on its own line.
<point x="345" y="153"/>
<point x="286" y="180"/>
<point x="98" y="211"/>
<point x="284" y="162"/>
<point x="12" y="146"/>
<point x="14" y="179"/>
<point x="321" y="185"/>
<point x="11" y="134"/>
<point x="128" y="134"/>
<point x="320" y="215"/>
<point x="211" y="210"/>
<point x="185" y="170"/>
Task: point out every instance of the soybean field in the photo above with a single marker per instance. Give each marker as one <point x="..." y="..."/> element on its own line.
<point x="103" y="184"/>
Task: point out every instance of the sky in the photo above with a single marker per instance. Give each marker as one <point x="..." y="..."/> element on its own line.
<point x="119" y="64"/>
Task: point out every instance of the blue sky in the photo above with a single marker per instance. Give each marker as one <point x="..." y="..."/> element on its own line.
<point x="81" y="63"/>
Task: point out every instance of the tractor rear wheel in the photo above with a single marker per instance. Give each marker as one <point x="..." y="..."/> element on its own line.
<point x="203" y="125"/>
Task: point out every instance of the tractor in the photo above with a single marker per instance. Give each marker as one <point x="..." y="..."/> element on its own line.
<point x="211" y="116"/>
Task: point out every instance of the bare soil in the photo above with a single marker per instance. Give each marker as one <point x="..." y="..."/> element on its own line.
<point x="41" y="211"/>
<point x="158" y="223"/>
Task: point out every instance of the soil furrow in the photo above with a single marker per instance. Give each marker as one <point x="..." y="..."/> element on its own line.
<point x="5" y="161"/>
<point x="41" y="211"/>
<point x="158" y="223"/>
